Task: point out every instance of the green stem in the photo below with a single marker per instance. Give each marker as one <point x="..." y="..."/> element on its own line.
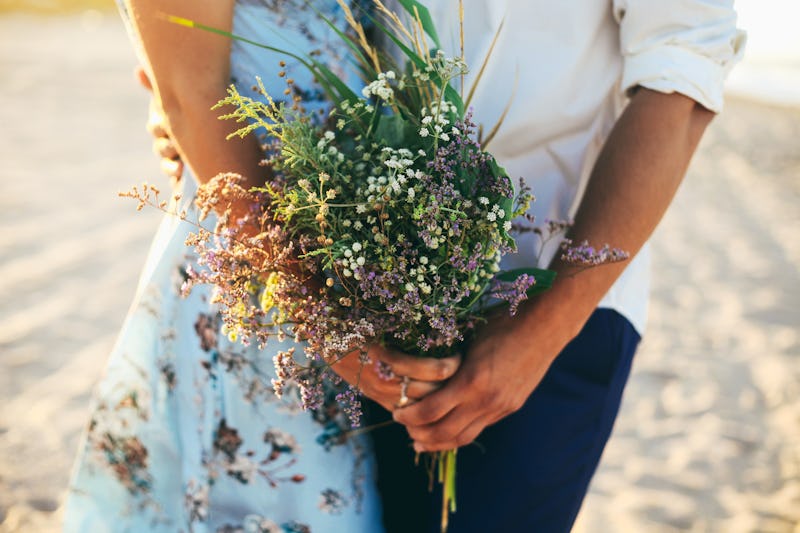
<point x="447" y="476"/>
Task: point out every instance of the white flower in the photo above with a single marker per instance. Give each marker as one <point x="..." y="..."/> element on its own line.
<point x="409" y="287"/>
<point x="356" y="246"/>
<point x="483" y="200"/>
<point x="423" y="260"/>
<point x="390" y="75"/>
<point x="423" y="132"/>
<point x="507" y="225"/>
<point x="348" y="253"/>
<point x="411" y="193"/>
<point x="329" y="135"/>
<point x="347" y="273"/>
<point x="427" y="120"/>
<point x="358" y="225"/>
<point x="491" y="216"/>
<point x="445" y="137"/>
<point x="242" y="467"/>
<point x="379" y="88"/>
<point x="501" y="213"/>
<point x="361" y="208"/>
<point x="425" y="288"/>
<point x="360" y="261"/>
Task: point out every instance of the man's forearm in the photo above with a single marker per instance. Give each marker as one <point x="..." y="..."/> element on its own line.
<point x="633" y="182"/>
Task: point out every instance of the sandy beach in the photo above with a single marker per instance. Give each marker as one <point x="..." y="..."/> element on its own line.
<point x="709" y="435"/>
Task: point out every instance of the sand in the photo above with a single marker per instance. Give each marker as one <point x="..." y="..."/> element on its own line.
<point x="709" y="434"/>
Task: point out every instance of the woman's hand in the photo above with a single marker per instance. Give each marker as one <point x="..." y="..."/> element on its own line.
<point x="382" y="378"/>
<point x="163" y="145"/>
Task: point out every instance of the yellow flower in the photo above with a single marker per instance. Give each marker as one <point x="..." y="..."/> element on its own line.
<point x="267" y="299"/>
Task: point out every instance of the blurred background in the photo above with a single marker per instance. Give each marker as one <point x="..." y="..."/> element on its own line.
<point x="709" y="435"/>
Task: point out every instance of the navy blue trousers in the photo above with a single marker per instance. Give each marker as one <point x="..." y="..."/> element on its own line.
<point x="530" y="471"/>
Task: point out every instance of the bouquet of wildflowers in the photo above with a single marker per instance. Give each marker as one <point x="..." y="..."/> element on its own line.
<point x="384" y="221"/>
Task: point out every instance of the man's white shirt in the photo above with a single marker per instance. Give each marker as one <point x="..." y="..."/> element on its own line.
<point x="566" y="67"/>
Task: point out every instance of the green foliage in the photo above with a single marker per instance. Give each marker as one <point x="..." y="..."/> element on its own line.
<point x="415" y="8"/>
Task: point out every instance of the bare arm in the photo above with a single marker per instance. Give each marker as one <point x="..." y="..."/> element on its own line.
<point x="190" y="71"/>
<point x="633" y="182"/>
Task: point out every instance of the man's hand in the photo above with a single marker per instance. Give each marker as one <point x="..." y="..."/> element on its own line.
<point x="382" y="379"/>
<point x="163" y="147"/>
<point x="500" y="370"/>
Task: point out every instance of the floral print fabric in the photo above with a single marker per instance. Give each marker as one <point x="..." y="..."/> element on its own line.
<point x="186" y="433"/>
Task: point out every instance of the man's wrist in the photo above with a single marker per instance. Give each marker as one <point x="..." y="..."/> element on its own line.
<point x="558" y="315"/>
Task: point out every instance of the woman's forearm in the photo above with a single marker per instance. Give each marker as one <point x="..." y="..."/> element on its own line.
<point x="190" y="71"/>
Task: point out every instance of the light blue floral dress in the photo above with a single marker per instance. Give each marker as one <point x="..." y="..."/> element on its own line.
<point x="186" y="434"/>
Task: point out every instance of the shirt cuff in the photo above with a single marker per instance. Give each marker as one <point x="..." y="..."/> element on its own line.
<point x="670" y="69"/>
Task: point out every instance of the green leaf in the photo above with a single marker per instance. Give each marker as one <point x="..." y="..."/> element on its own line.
<point x="329" y="81"/>
<point x="424" y="17"/>
<point x="506" y="203"/>
<point x="393" y="130"/>
<point x="194" y="24"/>
<point x="544" y="278"/>
<point x="345" y="92"/>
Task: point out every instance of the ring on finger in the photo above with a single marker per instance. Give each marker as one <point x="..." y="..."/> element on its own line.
<point x="404" y="399"/>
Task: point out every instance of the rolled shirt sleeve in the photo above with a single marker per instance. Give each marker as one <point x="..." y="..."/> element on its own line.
<point x="684" y="46"/>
